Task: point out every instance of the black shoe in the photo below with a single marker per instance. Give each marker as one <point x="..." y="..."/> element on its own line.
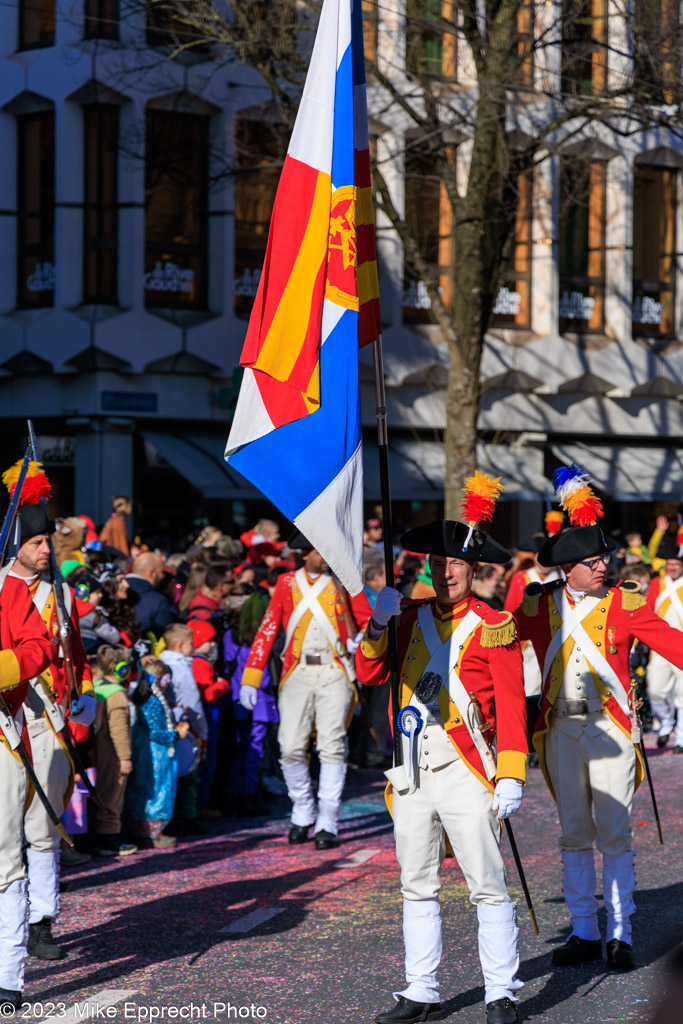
<point x="663" y="740"/>
<point x="298" y="834"/>
<point x="620" y="955"/>
<point x="678" y="750"/>
<point x="532" y="762"/>
<point x="577" y="951"/>
<point x="407" y="1010"/>
<point x="9" y="1000"/>
<point x="501" y="1011"/>
<point x="326" y="841"/>
<point x="40" y="941"/>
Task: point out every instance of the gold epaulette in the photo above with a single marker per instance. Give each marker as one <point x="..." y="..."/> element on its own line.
<point x="499" y="634"/>
<point x="631" y="597"/>
<point x="532" y="597"/>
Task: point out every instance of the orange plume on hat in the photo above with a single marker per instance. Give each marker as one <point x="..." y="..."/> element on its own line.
<point x="574" y="493"/>
<point x="36" y="484"/>
<point x="479" y="502"/>
<point x="553" y="522"/>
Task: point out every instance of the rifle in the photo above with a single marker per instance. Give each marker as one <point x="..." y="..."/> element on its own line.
<point x="65" y="640"/>
<point x="11" y="734"/>
<point x="13" y="506"/>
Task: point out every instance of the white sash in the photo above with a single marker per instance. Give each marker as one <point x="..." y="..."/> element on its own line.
<point x="310" y="595"/>
<point x="443" y="658"/>
<point x="309" y="598"/>
<point x="671" y="590"/>
<point x="570" y="619"/>
<point x="12" y="727"/>
<point x="599" y="662"/>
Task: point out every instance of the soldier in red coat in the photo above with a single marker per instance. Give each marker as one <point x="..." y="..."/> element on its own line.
<point x="46" y="707"/>
<point x="664" y="680"/>
<point x="316" y="689"/>
<point x="24" y="652"/>
<point x="582" y="631"/>
<point x="457" y="656"/>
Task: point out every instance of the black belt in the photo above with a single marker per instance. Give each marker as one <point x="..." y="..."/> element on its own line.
<point x="575" y="707"/>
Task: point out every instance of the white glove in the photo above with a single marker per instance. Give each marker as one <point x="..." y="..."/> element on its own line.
<point x="353" y="642"/>
<point x="83" y="710"/>
<point x="388" y="604"/>
<point x="248" y="696"/>
<point x="507" y="797"/>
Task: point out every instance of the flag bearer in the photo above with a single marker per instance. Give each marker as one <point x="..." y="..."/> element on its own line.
<point x="456" y="657"/>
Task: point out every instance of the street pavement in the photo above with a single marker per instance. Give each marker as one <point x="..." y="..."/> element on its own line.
<point x="238" y="925"/>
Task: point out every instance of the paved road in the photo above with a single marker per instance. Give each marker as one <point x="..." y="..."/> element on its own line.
<point x="241" y="926"/>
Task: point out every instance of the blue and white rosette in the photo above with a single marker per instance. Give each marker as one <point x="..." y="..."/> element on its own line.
<point x="410" y="723"/>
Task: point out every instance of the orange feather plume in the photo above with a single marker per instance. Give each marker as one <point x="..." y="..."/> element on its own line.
<point x="36" y="484"/>
<point x="481" y="492"/>
<point x="553" y="522"/>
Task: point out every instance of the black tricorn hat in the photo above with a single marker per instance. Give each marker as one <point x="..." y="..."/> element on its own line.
<point x="670" y="551"/>
<point x="297" y="542"/>
<point x="449" y="537"/>
<point x="576" y="544"/>
<point x="33" y="520"/>
<point x="534" y="543"/>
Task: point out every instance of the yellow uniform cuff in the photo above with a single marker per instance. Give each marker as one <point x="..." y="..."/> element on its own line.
<point x="373" y="649"/>
<point x="511" y="764"/>
<point x="252" y="677"/>
<point x="10" y="674"/>
<point x="87" y="687"/>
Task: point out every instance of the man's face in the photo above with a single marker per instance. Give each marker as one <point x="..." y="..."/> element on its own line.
<point x="379" y="580"/>
<point x="451" y="578"/>
<point x="314" y="561"/>
<point x="588" y="575"/>
<point x="674" y="568"/>
<point x="542" y="570"/>
<point x="34" y="555"/>
<point x="374" y="534"/>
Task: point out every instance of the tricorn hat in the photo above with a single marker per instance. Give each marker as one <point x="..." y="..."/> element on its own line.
<point x="455" y="540"/>
<point x="297" y="542"/>
<point x="34" y="520"/>
<point x="575" y="545"/>
<point x="584" y="538"/>
<point x="670" y="551"/>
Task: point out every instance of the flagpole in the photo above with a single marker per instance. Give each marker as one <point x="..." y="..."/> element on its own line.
<point x="387" y="525"/>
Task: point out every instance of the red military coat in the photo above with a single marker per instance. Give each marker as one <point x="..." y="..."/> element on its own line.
<point x="285" y="598"/>
<point x="55" y="674"/>
<point x="658" y="585"/>
<point x="617" y="620"/>
<point x="25" y="648"/>
<point x="490" y="666"/>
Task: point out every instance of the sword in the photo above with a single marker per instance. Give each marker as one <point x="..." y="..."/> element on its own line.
<point x="637" y="737"/>
<point x="478" y="722"/>
<point x="520" y="872"/>
<point x="33" y="779"/>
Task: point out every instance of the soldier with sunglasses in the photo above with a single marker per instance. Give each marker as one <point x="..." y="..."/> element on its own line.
<point x="582" y="630"/>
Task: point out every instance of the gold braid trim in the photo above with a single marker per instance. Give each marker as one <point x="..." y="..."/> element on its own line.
<point x="531" y="600"/>
<point x="499" y="634"/>
<point x="631" y="597"/>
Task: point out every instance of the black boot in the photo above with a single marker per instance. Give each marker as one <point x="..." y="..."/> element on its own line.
<point x="501" y="1011"/>
<point x="325" y="840"/>
<point x="40" y="941"/>
<point x="298" y="834"/>
<point x="620" y="955"/>
<point x="577" y="951"/>
<point x="9" y="999"/>
<point x="407" y="1010"/>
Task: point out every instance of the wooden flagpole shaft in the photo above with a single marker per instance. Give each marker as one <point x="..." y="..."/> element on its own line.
<point x="387" y="529"/>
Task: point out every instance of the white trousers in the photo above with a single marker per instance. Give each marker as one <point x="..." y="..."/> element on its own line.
<point x="592" y="767"/>
<point x="314" y="696"/>
<point x="665" y="690"/>
<point x="451" y="801"/>
<point x="13" y="791"/>
<point x="13" y="935"/>
<point x="53" y="770"/>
